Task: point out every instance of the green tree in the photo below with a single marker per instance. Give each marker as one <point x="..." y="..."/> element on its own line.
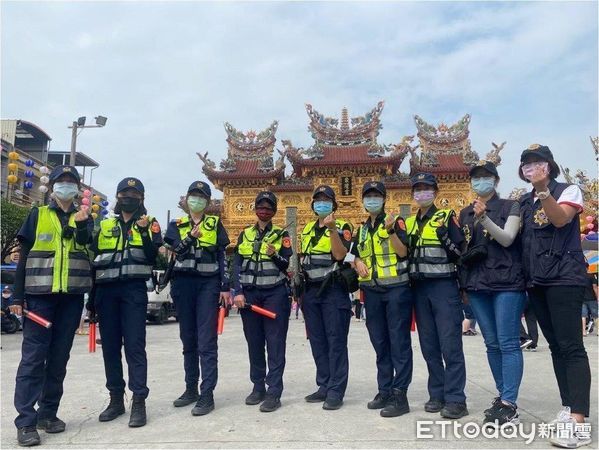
<point x="13" y="217"/>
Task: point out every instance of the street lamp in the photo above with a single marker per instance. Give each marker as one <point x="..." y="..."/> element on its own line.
<point x="80" y="123"/>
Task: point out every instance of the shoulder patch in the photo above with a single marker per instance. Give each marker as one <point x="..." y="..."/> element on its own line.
<point x="286" y="242"/>
<point x="347" y="235"/>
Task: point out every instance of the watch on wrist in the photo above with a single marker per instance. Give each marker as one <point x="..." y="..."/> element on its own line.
<point x="543" y="195"/>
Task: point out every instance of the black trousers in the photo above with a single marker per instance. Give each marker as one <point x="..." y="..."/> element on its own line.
<point x="531" y="324"/>
<point x="558" y="311"/>
<point x="44" y="356"/>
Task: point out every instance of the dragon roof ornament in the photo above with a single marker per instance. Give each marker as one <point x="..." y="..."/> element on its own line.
<point x="442" y="133"/>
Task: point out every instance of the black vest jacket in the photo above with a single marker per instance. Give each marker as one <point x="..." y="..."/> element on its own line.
<point x="502" y="269"/>
<point x="552" y="256"/>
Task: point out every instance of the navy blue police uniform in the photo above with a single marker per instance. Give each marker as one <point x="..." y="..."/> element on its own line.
<point x="389" y="304"/>
<point x="264" y="283"/>
<point x="45" y="352"/>
<point x="435" y="242"/>
<point x="125" y="254"/>
<point x="199" y="276"/>
<point x="327" y="311"/>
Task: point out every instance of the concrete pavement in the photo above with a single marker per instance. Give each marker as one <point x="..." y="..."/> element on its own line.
<point x="297" y="424"/>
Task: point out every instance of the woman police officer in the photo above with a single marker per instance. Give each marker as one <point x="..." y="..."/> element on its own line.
<point x="199" y="282"/>
<point x="126" y="247"/>
<point x="260" y="278"/>
<point x="382" y="266"/>
<point x="326" y="304"/>
<point x="52" y="275"/>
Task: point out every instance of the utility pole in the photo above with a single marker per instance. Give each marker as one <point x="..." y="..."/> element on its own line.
<point x="73" y="144"/>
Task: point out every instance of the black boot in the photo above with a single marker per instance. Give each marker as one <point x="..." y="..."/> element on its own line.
<point x="138" y="412"/>
<point x="188" y="397"/>
<point x="204" y="405"/>
<point x="397" y="406"/>
<point x="54" y="425"/>
<point x="115" y="408"/>
<point x="28" y="437"/>
<point x="379" y="401"/>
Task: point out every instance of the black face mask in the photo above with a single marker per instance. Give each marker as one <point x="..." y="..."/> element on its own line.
<point x="129" y="204"/>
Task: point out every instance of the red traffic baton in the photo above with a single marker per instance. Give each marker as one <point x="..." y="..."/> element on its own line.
<point x="221" y="320"/>
<point x="262" y="311"/>
<point x="37" y="319"/>
<point x="92" y="337"/>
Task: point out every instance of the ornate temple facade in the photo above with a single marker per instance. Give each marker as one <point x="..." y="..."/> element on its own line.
<point x="345" y="154"/>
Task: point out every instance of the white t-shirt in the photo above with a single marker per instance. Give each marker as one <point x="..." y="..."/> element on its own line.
<point x="572" y="196"/>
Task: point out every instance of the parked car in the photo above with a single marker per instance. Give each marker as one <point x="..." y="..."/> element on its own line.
<point x="160" y="305"/>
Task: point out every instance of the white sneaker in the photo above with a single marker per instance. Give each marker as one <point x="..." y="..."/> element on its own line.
<point x="572" y="439"/>
<point x="563" y="415"/>
<point x="575" y="440"/>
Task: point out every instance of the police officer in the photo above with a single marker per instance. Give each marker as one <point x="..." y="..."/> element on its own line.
<point x="382" y="266"/>
<point x="259" y="277"/>
<point x="435" y="242"/>
<point x="491" y="274"/>
<point x="326" y="303"/>
<point x="556" y="276"/>
<point x="52" y="275"/>
<point x="126" y="247"/>
<point x="199" y="282"/>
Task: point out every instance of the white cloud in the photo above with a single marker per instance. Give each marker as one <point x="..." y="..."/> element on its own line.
<point x="169" y="74"/>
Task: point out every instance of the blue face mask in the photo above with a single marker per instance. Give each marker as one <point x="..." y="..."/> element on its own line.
<point x="323" y="208"/>
<point x="483" y="185"/>
<point x="65" y="191"/>
<point x="373" y="204"/>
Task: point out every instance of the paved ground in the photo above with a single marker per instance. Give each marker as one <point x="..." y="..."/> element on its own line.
<point x="297" y="424"/>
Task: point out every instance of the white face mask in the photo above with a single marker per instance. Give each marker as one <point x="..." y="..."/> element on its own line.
<point x="65" y="190"/>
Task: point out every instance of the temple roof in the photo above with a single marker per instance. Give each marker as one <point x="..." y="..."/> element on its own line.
<point x="249" y="157"/>
<point x="330" y="131"/>
<point x="343" y="142"/>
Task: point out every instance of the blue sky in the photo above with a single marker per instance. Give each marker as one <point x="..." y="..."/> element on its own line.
<point x="167" y="75"/>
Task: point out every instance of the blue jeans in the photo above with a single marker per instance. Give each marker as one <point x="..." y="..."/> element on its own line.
<point x="498" y="315"/>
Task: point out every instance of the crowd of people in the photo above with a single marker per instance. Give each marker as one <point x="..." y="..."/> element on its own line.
<point x="502" y="258"/>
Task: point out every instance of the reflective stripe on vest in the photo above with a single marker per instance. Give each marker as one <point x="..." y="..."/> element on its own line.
<point x="118" y="256"/>
<point x="318" y="260"/>
<point x="429" y="259"/>
<point x="54" y="264"/>
<point x="192" y="261"/>
<point x="257" y="268"/>
<point x="385" y="268"/>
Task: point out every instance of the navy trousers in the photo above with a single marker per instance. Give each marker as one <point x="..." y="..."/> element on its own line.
<point x="260" y="330"/>
<point x="122" y="309"/>
<point x="44" y="356"/>
<point x="196" y="301"/>
<point x="327" y="323"/>
<point x="388" y="320"/>
<point x="439" y="318"/>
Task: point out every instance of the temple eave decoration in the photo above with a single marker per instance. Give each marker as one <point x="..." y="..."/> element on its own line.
<point x="344" y="154"/>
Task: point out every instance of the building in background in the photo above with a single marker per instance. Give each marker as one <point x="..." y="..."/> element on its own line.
<point x="345" y="154"/>
<point x="32" y="145"/>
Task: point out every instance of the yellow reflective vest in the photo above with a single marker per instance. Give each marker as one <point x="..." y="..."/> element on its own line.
<point x="317" y="260"/>
<point x="257" y="268"/>
<point x="428" y="257"/>
<point x="385" y="268"/>
<point x="120" y="257"/>
<point x="196" y="260"/>
<point x="56" y="264"/>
